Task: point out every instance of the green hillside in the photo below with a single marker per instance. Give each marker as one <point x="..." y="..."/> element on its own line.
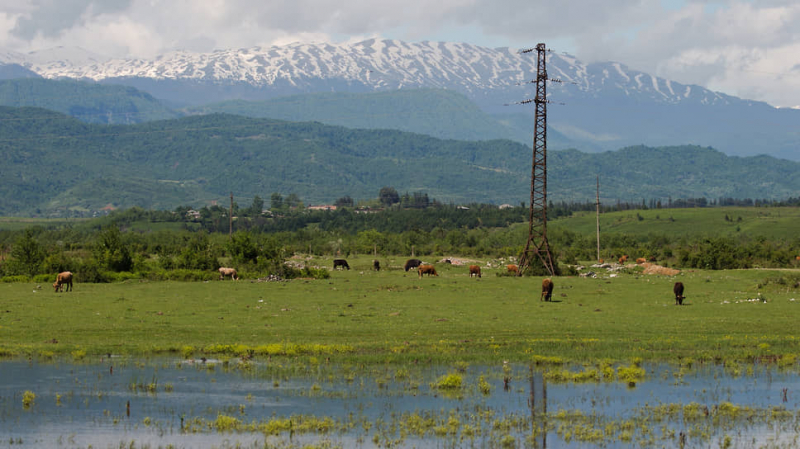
<point x="89" y="102"/>
<point x="53" y="162"/>
<point x="778" y="223"/>
<point x="440" y="113"/>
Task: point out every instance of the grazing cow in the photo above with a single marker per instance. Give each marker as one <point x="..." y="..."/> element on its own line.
<point x="427" y="269"/>
<point x="547" y="290"/>
<point x="640" y="261"/>
<point x="376" y="265"/>
<point x="623" y="259"/>
<point x="340" y="263"/>
<point x="62" y="279"/>
<point x="412" y="263"/>
<point x="678" y="290"/>
<point x="474" y="269"/>
<point x="223" y="271"/>
<point x="512" y="268"/>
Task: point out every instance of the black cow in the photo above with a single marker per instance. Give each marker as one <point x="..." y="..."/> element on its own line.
<point x="376" y="265"/>
<point x="678" y="290"/>
<point x="340" y="263"/>
<point x="412" y="263"/>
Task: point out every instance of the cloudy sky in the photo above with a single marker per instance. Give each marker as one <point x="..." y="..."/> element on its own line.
<point x="750" y="49"/>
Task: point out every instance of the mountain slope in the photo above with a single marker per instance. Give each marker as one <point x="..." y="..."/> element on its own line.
<point x="54" y="163"/>
<point x="89" y="102"/>
<point x="607" y="105"/>
<point x="13" y="71"/>
<point x="439" y="113"/>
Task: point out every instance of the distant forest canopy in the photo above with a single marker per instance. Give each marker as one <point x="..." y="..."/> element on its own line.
<point x="58" y="166"/>
<point x="403" y="215"/>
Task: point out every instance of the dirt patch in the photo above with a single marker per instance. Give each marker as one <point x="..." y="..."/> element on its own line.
<point x="651" y="268"/>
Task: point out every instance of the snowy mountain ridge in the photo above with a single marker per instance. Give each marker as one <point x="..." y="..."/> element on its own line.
<point x="371" y="65"/>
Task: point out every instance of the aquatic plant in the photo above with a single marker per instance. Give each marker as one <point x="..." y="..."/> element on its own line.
<point x="547" y="360"/>
<point x="225" y="423"/>
<point x="450" y="381"/>
<point x="28" y="398"/>
<point x="630" y="374"/>
<point x="508" y="441"/>
<point x="187" y="351"/>
<point x="484" y="386"/>
<point x="78" y="354"/>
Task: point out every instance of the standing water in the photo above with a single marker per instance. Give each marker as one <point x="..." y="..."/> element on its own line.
<point x="178" y="403"/>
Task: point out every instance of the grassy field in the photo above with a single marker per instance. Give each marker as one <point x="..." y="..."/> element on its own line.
<point x="21" y="223"/>
<point x="769" y="222"/>
<point x="391" y="316"/>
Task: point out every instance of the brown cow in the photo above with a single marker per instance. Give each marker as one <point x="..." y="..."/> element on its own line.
<point x="678" y="290"/>
<point x="640" y="261"/>
<point x="62" y="279"/>
<point x="512" y="268"/>
<point x="547" y="290"/>
<point x="474" y="269"/>
<point x="623" y="259"/>
<point x="427" y="269"/>
<point x="601" y="261"/>
<point x="228" y="272"/>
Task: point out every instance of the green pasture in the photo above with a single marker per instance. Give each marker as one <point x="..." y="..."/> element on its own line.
<point x="768" y="222"/>
<point x="393" y="316"/>
<point x="21" y="223"/>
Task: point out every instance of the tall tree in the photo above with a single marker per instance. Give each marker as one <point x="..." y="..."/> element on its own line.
<point x="388" y="196"/>
<point x="276" y="202"/>
<point x="28" y="253"/>
<point x="257" y="206"/>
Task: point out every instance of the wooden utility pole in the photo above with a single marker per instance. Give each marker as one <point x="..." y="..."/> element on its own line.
<point x="230" y="219"/>
<point x="597" y="203"/>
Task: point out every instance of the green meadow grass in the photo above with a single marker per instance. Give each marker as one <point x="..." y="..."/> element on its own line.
<point x="22" y="223"/>
<point x="769" y="222"/>
<point x="392" y="315"/>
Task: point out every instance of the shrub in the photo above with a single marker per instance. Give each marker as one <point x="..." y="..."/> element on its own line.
<point x="91" y="272"/>
<point x="17" y="278"/>
<point x="44" y="278"/>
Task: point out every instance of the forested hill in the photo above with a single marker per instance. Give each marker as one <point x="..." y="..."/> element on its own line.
<point x="441" y="113"/>
<point x="53" y="162"/>
<point x="89" y="102"/>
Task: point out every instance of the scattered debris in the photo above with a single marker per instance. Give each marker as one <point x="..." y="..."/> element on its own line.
<point x="270" y="278"/>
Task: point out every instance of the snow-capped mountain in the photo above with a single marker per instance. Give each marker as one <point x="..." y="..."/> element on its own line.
<point x="373" y="64"/>
<point x="607" y="104"/>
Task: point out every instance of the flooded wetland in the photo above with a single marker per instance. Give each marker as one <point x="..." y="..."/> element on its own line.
<point x="161" y="402"/>
<point x="390" y="360"/>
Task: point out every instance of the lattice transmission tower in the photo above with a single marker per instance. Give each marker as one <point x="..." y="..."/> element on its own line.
<point x="537" y="245"/>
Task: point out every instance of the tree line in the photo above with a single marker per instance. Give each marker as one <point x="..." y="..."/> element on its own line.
<point x="152" y="244"/>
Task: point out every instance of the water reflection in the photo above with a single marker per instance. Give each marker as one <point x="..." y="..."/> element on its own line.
<point x="157" y="403"/>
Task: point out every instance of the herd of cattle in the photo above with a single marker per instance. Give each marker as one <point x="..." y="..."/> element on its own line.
<point x="65" y="278"/>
